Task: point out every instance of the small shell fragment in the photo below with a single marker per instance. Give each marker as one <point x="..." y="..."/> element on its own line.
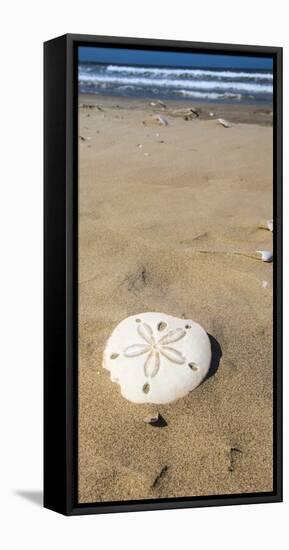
<point x="225" y="123"/>
<point x="266" y="255"/>
<point x="156" y="420"/>
<point x="152" y="418"/>
<point x="188" y="113"/>
<point x="161" y="120"/>
<point x="267" y="225"/>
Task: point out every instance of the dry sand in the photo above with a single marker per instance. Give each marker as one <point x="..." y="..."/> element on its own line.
<point x="162" y="210"/>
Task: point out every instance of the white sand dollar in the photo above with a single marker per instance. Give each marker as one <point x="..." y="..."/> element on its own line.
<point x="157" y="358"/>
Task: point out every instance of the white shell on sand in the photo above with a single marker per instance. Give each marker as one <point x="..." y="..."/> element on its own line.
<point x="267" y="225"/>
<point x="161" y="120"/>
<point x="225" y="123"/>
<point x="157" y="358"/>
<point x="266" y="255"/>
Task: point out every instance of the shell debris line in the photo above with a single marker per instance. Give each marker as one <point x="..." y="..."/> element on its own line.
<point x="157" y="358"/>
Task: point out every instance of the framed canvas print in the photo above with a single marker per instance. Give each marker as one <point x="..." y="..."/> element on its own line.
<point x="163" y="274"/>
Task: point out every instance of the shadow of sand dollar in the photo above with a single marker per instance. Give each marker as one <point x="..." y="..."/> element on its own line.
<point x="216" y="356"/>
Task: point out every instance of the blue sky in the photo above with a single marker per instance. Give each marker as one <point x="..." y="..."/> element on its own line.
<point x="172" y="59"/>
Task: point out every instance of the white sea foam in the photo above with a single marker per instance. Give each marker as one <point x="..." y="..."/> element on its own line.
<point x="172" y="84"/>
<point x="209" y="95"/>
<point x="188" y="72"/>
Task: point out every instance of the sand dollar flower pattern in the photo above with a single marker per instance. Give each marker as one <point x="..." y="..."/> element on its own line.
<point x="154" y="349"/>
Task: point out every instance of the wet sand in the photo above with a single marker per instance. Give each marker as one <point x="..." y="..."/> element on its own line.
<point x="165" y="214"/>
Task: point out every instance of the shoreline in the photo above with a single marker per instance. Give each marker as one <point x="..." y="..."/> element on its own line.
<point x="244" y="113"/>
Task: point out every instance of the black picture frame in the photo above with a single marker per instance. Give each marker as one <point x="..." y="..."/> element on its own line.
<point x="60" y="274"/>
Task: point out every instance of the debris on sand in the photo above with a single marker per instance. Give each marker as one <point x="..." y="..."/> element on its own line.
<point x="161" y="120"/>
<point x="268" y="225"/>
<point x="158" y="104"/>
<point x="159" y="477"/>
<point x="186" y="114"/>
<point x="152" y="418"/>
<point x="266" y="255"/>
<point x="155" y="119"/>
<point x="91" y="106"/>
<point x="155" y="419"/>
<point x="225" y="123"/>
<point x="88" y="106"/>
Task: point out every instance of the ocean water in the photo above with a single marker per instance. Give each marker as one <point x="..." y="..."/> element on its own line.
<point x="234" y="85"/>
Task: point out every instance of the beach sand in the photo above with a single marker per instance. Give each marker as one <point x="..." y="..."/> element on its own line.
<point x="162" y="212"/>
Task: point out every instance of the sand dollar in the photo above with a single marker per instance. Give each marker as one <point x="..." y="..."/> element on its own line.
<point x="157" y="358"/>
